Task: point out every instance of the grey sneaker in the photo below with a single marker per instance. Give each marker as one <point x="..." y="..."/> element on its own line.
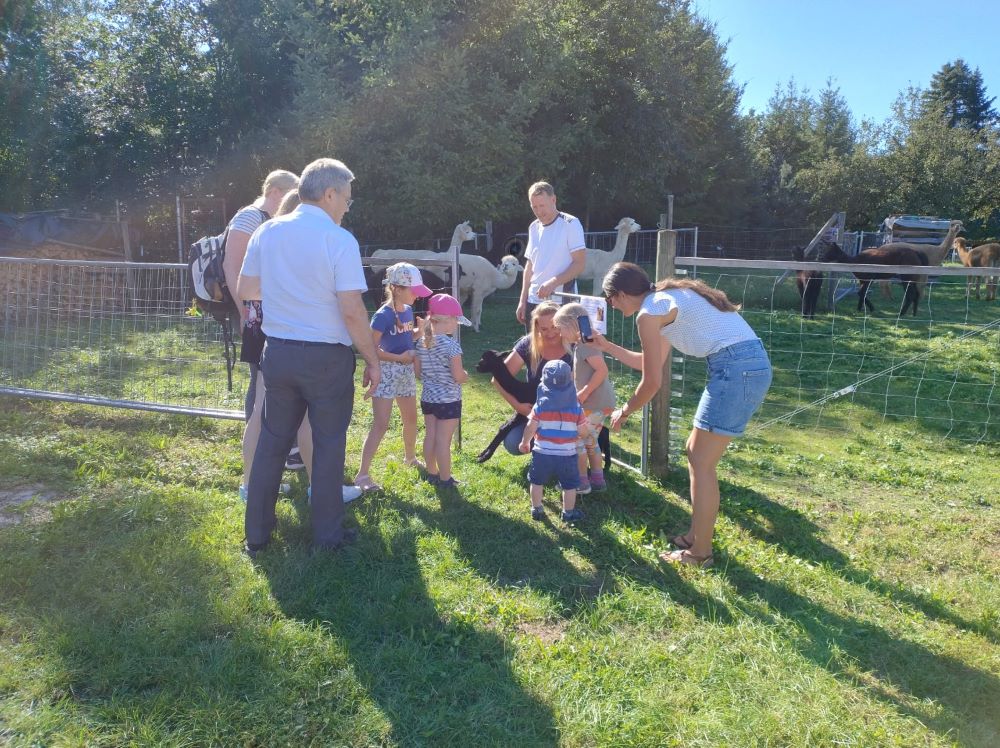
<point x="538" y="513"/>
<point x="573" y="515"/>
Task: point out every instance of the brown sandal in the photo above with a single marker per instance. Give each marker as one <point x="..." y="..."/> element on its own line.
<point x="365" y="483"/>
<point x="685" y="557"/>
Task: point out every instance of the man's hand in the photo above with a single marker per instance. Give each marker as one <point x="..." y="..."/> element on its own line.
<point x="545" y="290"/>
<point x="370" y="379"/>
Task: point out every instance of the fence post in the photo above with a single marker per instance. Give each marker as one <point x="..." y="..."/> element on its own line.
<point x="659" y="416"/>
<point x="180" y="232"/>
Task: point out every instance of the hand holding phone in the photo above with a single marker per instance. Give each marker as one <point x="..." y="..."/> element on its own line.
<point x="585" y="330"/>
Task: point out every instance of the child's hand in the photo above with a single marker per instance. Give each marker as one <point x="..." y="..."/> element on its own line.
<point x="418" y="326"/>
<point x="408" y="356"/>
<point x="524" y="447"/>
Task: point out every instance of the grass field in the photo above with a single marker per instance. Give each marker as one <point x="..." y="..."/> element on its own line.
<point x="855" y="601"/>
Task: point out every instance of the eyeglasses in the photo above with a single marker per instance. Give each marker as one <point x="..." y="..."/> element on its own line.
<point x="350" y="202"/>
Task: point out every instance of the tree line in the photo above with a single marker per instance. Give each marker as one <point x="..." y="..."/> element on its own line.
<point x="448" y="109"/>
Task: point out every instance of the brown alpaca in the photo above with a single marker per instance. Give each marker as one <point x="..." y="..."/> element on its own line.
<point x="935" y="254"/>
<point x="983" y="256"/>
<point x="881" y="256"/>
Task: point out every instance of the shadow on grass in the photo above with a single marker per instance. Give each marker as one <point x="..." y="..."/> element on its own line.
<point x="863" y="652"/>
<point x="797" y="535"/>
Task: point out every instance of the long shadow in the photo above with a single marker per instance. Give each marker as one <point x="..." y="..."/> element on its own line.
<point x="797" y="535"/>
<point x="849" y="648"/>
<point x="132" y="631"/>
<point x="438" y="679"/>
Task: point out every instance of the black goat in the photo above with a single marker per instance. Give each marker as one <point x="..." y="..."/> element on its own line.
<point x="809" y="283"/>
<point x="882" y="256"/>
<point x="492" y="362"/>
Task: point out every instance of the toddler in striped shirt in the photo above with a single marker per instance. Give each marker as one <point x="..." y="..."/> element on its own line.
<point x="556" y="421"/>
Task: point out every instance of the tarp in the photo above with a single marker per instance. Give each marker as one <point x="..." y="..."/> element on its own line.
<point x="916" y="229"/>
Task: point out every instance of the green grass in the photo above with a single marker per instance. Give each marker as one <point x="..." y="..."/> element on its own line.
<point x="855" y="600"/>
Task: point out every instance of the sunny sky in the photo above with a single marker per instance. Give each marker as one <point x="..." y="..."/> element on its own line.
<point x="871" y="49"/>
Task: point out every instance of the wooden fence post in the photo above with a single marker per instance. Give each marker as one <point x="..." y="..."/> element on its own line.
<point x="659" y="415"/>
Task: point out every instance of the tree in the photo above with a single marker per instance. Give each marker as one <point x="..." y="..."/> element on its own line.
<point x="959" y="93"/>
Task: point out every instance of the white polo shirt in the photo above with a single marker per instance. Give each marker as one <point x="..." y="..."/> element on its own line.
<point x="550" y="249"/>
<point x="304" y="259"/>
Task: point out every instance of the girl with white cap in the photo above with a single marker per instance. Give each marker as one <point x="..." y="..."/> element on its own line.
<point x="439" y="366"/>
<point x="394" y="329"/>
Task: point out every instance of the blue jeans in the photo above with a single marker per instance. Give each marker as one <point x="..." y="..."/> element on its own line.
<point x="738" y="379"/>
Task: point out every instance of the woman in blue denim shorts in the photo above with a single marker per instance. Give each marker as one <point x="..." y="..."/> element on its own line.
<point x="698" y="321"/>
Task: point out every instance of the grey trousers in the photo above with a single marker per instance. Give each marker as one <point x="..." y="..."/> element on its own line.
<point x="300" y="377"/>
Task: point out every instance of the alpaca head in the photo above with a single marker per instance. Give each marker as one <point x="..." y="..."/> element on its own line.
<point x="490" y="360"/>
<point x="833" y="252"/>
<point x="510" y="266"/>
<point x="628" y="224"/>
<point x="465" y="232"/>
<point x="798" y="254"/>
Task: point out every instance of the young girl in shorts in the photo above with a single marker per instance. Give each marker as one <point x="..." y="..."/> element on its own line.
<point x="394" y="329"/>
<point x="439" y="366"/>
<point x="596" y="393"/>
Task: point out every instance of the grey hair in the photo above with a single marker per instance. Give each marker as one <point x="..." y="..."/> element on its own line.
<point x="541" y="188"/>
<point x="281" y="180"/>
<point x="321" y="175"/>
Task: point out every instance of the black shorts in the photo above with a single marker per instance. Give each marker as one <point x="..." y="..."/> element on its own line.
<point x="442" y="411"/>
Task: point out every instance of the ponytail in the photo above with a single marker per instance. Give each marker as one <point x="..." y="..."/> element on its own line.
<point x="631" y="280"/>
<point x="428" y="334"/>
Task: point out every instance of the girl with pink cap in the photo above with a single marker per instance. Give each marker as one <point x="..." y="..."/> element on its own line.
<point x="439" y="366"/>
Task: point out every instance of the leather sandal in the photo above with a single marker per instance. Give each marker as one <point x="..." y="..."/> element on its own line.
<point x="685" y="557"/>
<point x="365" y="483"/>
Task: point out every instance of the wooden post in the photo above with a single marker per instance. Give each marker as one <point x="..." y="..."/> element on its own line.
<point x="659" y="415"/>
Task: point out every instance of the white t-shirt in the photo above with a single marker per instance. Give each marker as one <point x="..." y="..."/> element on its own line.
<point x="303" y="260"/>
<point x="550" y="249"/>
<point x="699" y="329"/>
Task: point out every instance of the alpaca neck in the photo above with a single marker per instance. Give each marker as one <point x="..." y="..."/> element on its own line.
<point x="936" y="255"/>
<point x="621" y="244"/>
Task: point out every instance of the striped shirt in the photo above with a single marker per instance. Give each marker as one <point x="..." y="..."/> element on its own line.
<point x="557" y="429"/>
<point x="439" y="386"/>
<point x="248" y="219"/>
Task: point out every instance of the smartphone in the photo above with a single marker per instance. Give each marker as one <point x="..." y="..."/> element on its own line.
<point x="585" y="332"/>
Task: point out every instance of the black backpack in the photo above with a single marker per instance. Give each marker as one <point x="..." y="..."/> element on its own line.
<point x="210" y="291"/>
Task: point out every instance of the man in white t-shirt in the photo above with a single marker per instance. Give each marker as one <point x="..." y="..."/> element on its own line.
<point x="306" y="270"/>
<point x="555" y="255"/>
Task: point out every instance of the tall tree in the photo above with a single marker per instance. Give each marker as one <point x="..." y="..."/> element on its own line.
<point x="959" y="93"/>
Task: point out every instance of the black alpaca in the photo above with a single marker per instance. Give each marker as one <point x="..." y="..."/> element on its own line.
<point x="492" y="363"/>
<point x="882" y="256"/>
<point x="809" y="283"/>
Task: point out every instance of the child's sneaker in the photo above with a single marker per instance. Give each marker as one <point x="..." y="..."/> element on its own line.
<point x="294" y="460"/>
<point x="573" y="515"/>
<point x="538" y="513"/>
<point x="584" y="487"/>
<point x="598" y="485"/>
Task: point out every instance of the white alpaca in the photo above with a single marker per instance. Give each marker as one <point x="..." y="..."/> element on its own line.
<point x="599" y="262"/>
<point x="463" y="233"/>
<point x="480" y="278"/>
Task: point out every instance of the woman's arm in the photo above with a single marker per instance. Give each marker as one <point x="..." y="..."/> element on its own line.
<point x="654" y="353"/>
<point x="458" y="373"/>
<point x="632" y="359"/>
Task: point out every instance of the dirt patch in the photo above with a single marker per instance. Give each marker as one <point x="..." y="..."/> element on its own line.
<point x="12" y="501"/>
<point x="548" y="632"/>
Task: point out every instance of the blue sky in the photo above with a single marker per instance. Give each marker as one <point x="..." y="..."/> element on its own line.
<point x="872" y="50"/>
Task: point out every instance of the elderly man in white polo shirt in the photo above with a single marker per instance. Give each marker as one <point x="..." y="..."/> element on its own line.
<point x="306" y="270"/>
<point x="555" y="255"/>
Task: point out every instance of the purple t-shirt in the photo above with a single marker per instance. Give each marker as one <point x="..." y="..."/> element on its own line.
<point x="396" y="328"/>
<point x="523" y="349"/>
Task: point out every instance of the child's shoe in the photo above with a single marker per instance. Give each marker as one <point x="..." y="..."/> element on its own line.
<point x="433" y="479"/>
<point x="538" y="513"/>
<point x="450" y="483"/>
<point x="283" y="488"/>
<point x="584" y="487"/>
<point x="597" y="482"/>
<point x="573" y="515"/>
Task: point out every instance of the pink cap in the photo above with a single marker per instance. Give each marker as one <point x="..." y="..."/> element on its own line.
<point x="447" y="305"/>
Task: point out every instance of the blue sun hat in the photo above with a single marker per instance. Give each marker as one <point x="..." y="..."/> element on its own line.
<point x="556" y="390"/>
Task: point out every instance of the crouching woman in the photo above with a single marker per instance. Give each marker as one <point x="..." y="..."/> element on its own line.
<point x="702" y="322"/>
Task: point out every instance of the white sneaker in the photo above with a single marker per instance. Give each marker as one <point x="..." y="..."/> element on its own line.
<point x="350" y="494"/>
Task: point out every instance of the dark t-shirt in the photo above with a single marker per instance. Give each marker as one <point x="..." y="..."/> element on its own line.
<point x="396" y="328"/>
<point x="523" y="349"/>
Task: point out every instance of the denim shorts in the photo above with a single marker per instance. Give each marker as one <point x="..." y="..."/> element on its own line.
<point x="442" y="411"/>
<point x="561" y="467"/>
<point x="738" y="379"/>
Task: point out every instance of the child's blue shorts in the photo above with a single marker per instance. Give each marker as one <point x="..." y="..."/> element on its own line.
<point x="563" y="468"/>
<point x="738" y="379"/>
